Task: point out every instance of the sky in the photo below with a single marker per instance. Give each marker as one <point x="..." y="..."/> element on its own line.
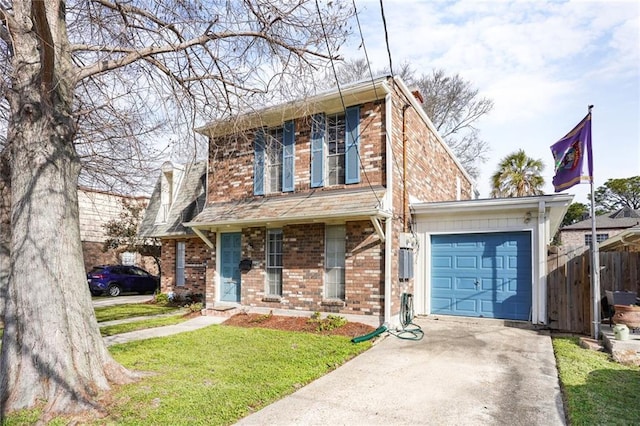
<point x="541" y="62"/>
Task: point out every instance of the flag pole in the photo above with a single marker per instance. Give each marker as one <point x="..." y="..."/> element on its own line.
<point x="595" y="265"/>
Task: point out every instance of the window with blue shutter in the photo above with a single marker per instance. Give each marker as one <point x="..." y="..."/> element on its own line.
<point x="352" y="154"/>
<point x="288" y="157"/>
<point x="317" y="150"/>
<point x="258" y="163"/>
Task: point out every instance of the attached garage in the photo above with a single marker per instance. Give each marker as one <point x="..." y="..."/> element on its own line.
<point x="485" y="275"/>
<point x="485" y="258"/>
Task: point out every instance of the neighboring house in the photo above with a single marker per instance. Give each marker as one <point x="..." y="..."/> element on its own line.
<point x="178" y="197"/>
<point x="607" y="226"/>
<point x="626" y="240"/>
<point x="340" y="204"/>
<point x="307" y="204"/>
<point x="97" y="208"/>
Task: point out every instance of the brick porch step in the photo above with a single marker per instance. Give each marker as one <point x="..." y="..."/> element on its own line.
<point x="222" y="310"/>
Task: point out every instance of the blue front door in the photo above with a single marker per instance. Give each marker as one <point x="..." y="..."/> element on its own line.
<point x="482" y="275"/>
<point x="229" y="268"/>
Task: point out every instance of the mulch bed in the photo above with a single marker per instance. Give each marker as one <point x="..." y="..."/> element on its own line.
<point x="280" y="322"/>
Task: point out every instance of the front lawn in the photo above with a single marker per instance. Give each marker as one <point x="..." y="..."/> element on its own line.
<point x="597" y="390"/>
<point x="110" y="330"/>
<point x="215" y="375"/>
<point x="116" y="312"/>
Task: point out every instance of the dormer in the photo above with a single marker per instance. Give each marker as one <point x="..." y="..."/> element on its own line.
<point x="169" y="184"/>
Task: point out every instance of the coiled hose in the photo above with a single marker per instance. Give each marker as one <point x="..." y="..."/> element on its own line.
<point x="410" y="330"/>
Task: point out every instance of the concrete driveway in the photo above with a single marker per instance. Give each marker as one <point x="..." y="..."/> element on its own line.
<point x="120" y="300"/>
<point x="464" y="372"/>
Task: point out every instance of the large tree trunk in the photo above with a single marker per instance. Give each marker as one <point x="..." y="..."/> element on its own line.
<point x="52" y="351"/>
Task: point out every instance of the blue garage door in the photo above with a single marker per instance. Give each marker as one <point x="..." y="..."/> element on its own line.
<point x="482" y="275"/>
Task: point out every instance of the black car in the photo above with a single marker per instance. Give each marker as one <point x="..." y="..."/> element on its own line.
<point x="117" y="279"/>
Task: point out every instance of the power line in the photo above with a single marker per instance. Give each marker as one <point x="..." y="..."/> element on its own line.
<point x="386" y="37"/>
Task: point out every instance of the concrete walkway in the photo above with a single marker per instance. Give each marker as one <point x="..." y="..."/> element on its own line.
<point x="168" y="330"/>
<point x="464" y="372"/>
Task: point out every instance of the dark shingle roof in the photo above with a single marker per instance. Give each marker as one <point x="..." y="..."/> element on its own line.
<point x="307" y="207"/>
<point x="621" y="219"/>
<point x="190" y="200"/>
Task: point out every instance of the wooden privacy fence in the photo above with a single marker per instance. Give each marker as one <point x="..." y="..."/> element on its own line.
<point x="569" y="284"/>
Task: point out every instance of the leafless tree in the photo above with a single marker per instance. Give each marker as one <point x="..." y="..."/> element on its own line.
<point x="88" y="84"/>
<point x="451" y="102"/>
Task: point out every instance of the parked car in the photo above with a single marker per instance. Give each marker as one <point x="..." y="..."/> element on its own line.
<point x="117" y="279"/>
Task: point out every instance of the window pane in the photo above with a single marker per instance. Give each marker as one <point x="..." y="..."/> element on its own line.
<point x="335" y="149"/>
<point x="335" y="262"/>
<point x="180" y="255"/>
<point x="274" y="262"/>
<point x="274" y="141"/>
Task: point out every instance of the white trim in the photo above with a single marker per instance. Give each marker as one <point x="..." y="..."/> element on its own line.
<point x="388" y="249"/>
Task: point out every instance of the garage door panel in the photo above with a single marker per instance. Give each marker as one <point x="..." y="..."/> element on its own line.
<point x="492" y="262"/>
<point x="500" y="264"/>
<point x="465" y="283"/>
<point x="469" y="262"/>
<point x="445" y="283"/>
<point x="442" y="261"/>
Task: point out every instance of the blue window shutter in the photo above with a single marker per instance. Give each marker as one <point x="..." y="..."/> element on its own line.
<point x="352" y="140"/>
<point x="258" y="163"/>
<point x="318" y="124"/>
<point x="288" y="156"/>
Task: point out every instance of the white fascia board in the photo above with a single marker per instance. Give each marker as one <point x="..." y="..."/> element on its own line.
<point x="364" y="215"/>
<point x="490" y="204"/>
<point x="329" y="102"/>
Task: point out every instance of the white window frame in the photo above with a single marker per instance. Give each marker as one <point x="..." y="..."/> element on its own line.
<point x="335" y="262"/>
<point x="336" y="135"/>
<point x="274" y="263"/>
<point x="128" y="258"/>
<point x="180" y="263"/>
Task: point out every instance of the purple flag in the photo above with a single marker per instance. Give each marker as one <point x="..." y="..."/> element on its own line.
<point x="568" y="154"/>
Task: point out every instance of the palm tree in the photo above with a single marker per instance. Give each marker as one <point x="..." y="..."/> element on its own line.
<point x="517" y="176"/>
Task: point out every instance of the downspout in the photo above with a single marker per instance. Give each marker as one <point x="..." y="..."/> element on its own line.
<point x="405" y="220"/>
<point x="388" y="249"/>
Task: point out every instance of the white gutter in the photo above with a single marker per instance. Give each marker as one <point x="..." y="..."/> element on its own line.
<point x="388" y="249"/>
<point x="359" y="92"/>
<point x="295" y="219"/>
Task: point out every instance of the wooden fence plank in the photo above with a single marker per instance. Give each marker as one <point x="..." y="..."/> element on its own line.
<point x="569" y="284"/>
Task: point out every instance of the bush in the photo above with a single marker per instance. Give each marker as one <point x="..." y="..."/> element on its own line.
<point x="162" y="299"/>
<point x="331" y="322"/>
<point x="195" y="307"/>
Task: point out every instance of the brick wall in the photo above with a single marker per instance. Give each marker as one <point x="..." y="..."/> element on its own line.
<point x="576" y="237"/>
<point x="231" y="158"/>
<point x="197" y="260"/>
<point x="303" y="270"/>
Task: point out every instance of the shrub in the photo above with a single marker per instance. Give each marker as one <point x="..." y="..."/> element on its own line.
<point x="331" y="322"/>
<point x="195" y="307"/>
<point x="162" y="299"/>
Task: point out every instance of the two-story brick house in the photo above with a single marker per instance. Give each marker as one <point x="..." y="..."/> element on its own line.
<point x="308" y="204"/>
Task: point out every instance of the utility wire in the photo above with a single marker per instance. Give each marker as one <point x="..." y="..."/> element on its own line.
<point x="386" y="37"/>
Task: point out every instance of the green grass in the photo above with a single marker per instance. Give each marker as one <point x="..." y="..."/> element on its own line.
<point x="220" y="374"/>
<point x="110" y="330"/>
<point x="116" y="312"/>
<point x="213" y="376"/>
<point x="597" y="390"/>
